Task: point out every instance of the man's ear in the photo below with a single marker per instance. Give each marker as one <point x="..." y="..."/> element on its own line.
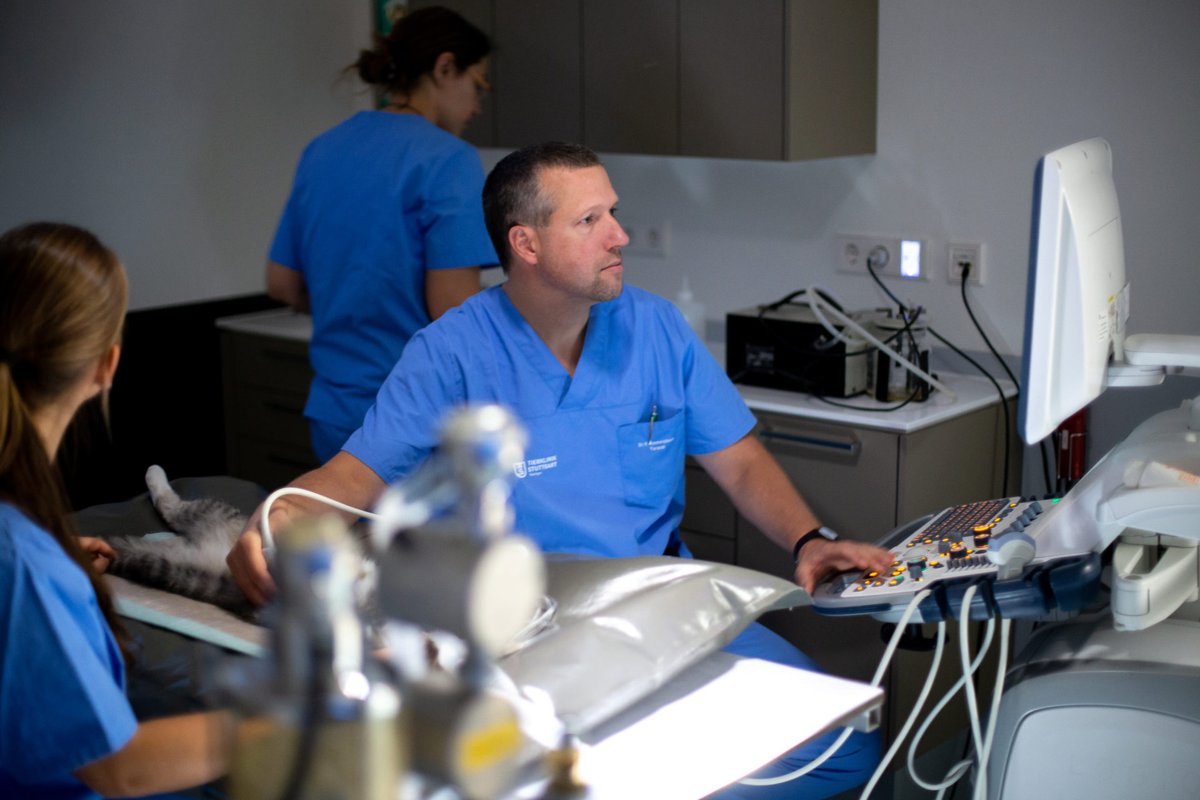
<point x="523" y="241"/>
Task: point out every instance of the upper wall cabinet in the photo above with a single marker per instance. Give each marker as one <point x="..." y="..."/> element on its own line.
<point x="763" y="79"/>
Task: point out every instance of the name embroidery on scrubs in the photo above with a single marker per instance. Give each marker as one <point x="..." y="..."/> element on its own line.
<point x="534" y="466"/>
<point x="656" y="444"/>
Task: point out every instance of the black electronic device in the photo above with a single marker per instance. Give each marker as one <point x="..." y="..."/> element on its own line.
<point x="786" y="347"/>
<point x="992" y="543"/>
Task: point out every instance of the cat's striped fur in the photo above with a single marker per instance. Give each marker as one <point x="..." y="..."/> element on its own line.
<point x="192" y="563"/>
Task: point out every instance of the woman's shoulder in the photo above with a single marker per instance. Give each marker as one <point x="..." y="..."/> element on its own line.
<point x="14" y="520"/>
<point x="23" y="541"/>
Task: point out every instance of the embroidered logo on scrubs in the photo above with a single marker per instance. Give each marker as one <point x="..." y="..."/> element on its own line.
<point x="534" y="466"/>
<point x="657" y="444"/>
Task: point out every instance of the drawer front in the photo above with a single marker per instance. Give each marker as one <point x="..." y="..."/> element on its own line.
<point x="709" y="548"/>
<point x="707" y="509"/>
<point x="272" y="415"/>
<point x="268" y="362"/>
<point x="847" y="475"/>
<point x="271" y="464"/>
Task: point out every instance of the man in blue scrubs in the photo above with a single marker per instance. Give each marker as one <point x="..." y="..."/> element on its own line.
<point x="614" y="389"/>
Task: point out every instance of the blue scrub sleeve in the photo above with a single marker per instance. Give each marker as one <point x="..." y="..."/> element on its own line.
<point x="401" y="429"/>
<point x="717" y="416"/>
<point x="61" y="706"/>
<point x="452" y="216"/>
<point x="285" y="246"/>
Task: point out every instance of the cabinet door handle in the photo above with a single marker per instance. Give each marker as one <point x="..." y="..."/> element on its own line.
<point x="844" y="447"/>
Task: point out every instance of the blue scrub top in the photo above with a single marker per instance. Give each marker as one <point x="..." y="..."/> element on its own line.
<point x="62" y="678"/>
<point x="376" y="201"/>
<point x="597" y="479"/>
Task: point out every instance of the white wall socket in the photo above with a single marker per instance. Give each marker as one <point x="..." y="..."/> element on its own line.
<point x="892" y="257"/>
<point x="959" y="253"/>
<point x="647" y="238"/>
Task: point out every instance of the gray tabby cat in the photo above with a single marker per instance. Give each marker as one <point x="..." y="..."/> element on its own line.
<point x="192" y="563"/>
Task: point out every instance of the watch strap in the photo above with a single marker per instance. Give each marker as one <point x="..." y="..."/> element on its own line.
<point x="820" y="531"/>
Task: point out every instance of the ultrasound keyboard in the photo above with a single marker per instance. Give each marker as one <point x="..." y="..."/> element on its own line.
<point x="961" y="546"/>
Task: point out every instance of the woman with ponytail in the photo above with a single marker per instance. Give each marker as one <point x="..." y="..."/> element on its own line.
<point x="383" y="231"/>
<point x="66" y="728"/>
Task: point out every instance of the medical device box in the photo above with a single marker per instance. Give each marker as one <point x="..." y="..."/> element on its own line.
<point x="786" y="347"/>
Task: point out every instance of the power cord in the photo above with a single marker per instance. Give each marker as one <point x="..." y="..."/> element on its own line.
<point x="979" y="367"/>
<point x="982" y="740"/>
<point x="911" y="367"/>
<point x="265" y="525"/>
<point x="884" y="662"/>
<point x="966" y="273"/>
<point x="912" y="715"/>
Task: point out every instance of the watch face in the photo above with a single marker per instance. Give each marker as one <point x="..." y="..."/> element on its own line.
<point x="828" y="533"/>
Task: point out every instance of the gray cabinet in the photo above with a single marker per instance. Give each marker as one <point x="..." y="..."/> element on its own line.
<point x="630" y="89"/>
<point x="759" y="79"/>
<point x="863" y="482"/>
<point x="265" y="386"/>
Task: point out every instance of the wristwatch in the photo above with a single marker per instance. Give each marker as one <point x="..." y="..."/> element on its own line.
<point x="820" y="531"/>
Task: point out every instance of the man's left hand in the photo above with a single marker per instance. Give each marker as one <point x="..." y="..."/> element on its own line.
<point x="820" y="558"/>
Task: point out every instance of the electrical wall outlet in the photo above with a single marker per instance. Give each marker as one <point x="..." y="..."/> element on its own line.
<point x="889" y="257"/>
<point x="959" y="254"/>
<point x="647" y="238"/>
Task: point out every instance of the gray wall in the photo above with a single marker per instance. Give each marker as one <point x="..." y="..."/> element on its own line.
<point x="172" y="129"/>
<point x="169" y="128"/>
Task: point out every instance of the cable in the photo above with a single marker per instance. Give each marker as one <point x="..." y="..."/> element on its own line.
<point x="871" y="409"/>
<point x="816" y="299"/>
<point x="967" y="305"/>
<point x="265" y="525"/>
<point x="973" y="362"/>
<point x="1050" y="487"/>
<point x="912" y="715"/>
<point x="966" y="272"/>
<point x="957" y="770"/>
<point x="999" y="391"/>
<point x="911" y="367"/>
<point x="888" y="653"/>
<point x="993" y="711"/>
<point x="964" y="652"/>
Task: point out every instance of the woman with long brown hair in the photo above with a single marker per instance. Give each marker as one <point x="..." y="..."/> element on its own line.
<point x="66" y="728"/>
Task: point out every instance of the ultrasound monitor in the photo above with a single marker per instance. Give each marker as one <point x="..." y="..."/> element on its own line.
<point x="1077" y="298"/>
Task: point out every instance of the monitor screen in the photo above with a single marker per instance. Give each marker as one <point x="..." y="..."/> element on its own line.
<point x="1076" y="299"/>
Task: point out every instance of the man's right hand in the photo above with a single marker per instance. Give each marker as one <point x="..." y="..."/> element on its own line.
<point x="343" y="478"/>
<point x="248" y="565"/>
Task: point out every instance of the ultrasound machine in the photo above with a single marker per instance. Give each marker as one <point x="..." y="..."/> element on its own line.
<point x="1104" y="698"/>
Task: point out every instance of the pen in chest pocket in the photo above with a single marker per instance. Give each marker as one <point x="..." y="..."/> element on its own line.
<point x="653" y="417"/>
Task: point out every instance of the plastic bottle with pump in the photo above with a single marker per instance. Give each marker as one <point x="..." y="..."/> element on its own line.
<point x="692" y="309"/>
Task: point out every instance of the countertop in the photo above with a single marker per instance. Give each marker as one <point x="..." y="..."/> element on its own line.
<point x="972" y="392"/>
<point x="282" y="323"/>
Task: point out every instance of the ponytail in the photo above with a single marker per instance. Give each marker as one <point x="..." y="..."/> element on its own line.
<point x="62" y="305"/>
